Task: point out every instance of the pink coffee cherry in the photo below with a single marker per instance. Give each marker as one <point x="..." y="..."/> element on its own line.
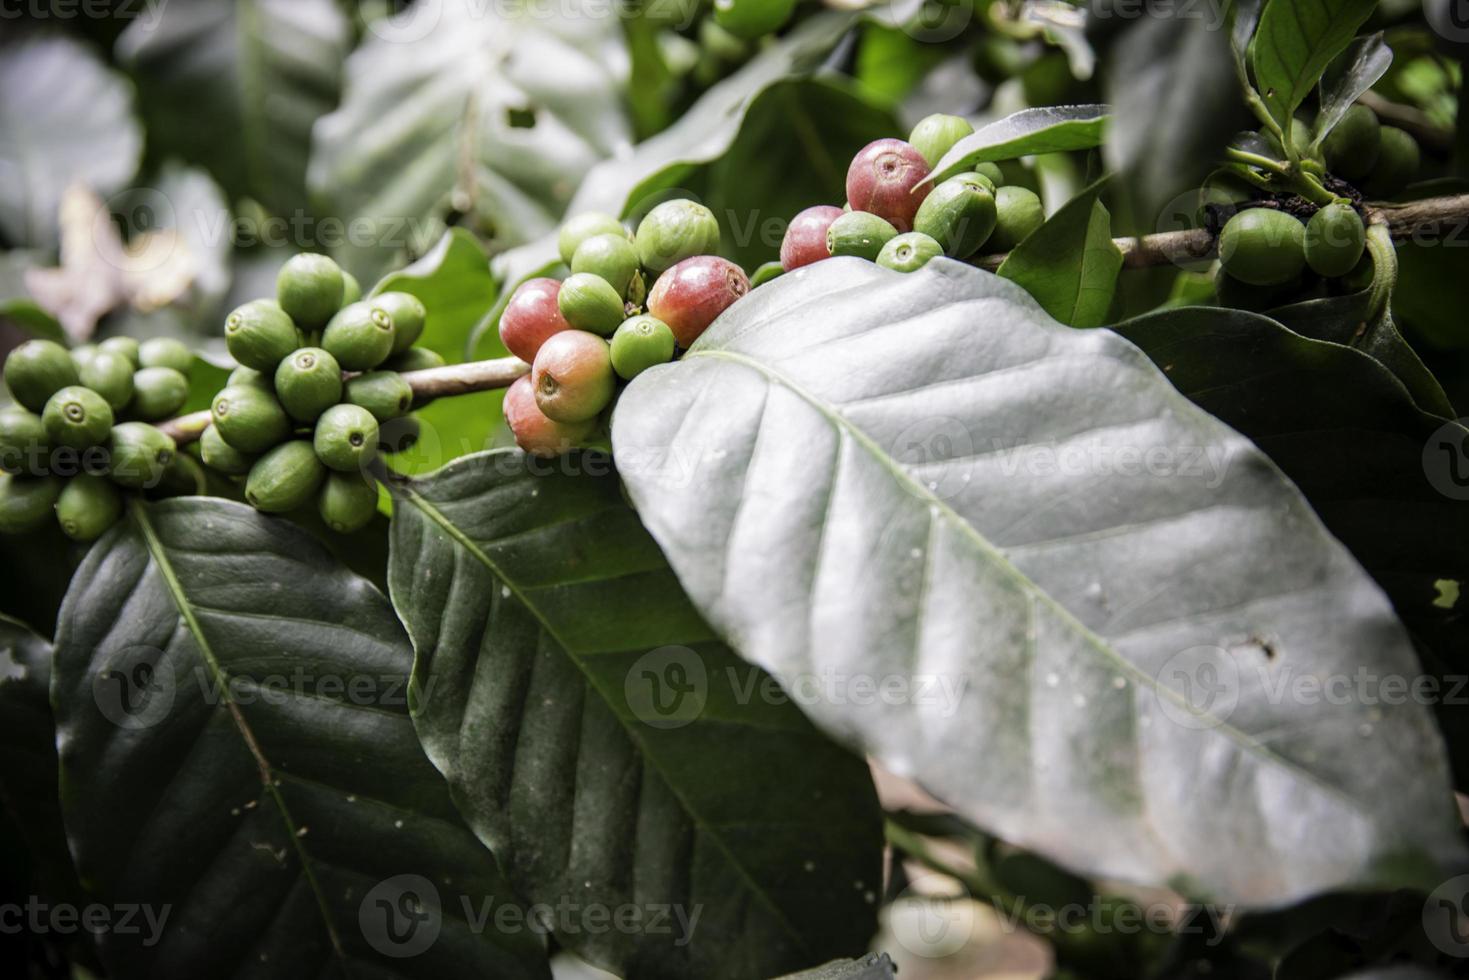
<point x="691" y="295"/>
<point x="882" y="179"/>
<point x="805" y="240"/>
<point x="530" y="317"/>
<point x="534" y="431"/>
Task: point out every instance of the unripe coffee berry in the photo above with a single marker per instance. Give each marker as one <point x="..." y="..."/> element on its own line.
<point x="260" y="335"/>
<point x="991" y="172"/>
<point x="859" y="233"/>
<point x="534" y="431"/>
<point x="23" y="445"/>
<point x="347" y="502"/>
<point x="960" y="215"/>
<point x="612" y="257"/>
<point x="909" y="252"/>
<point x="77" y="418"/>
<point x="884" y="179"/>
<point x="351" y="289"/>
<point x="805" y="237"/>
<point x="692" y="294"/>
<point x="409" y="317"/>
<point x="1018" y="212"/>
<point x="589" y="302"/>
<point x="1335" y="240"/>
<point x="308" y="383"/>
<point x="530" y="317"/>
<point x="309" y="290"/>
<point x="26" y="502"/>
<point x="415" y="359"/>
<point x="346" y="437"/>
<point x="1352" y="146"/>
<point x="126" y="346"/>
<point x="1398" y="159"/>
<point x="1262" y="247"/>
<point x="220" y="455"/>
<point x="766" y="272"/>
<point x="641" y="343"/>
<point x="573" y="377"/>
<point x="385" y="394"/>
<point x="674" y="231"/>
<point x="249" y="418"/>
<point x="579" y="228"/>
<point x="285" y="478"/>
<point x="38" y="369"/>
<point x="751" y="19"/>
<point x="87" y="506"/>
<point x="139" y="455"/>
<point x="158" y="392"/>
<point x="360" y="336"/>
<point x="936" y="135"/>
<point x="165" y="352"/>
<point x="244" y="377"/>
<point x="110" y="375"/>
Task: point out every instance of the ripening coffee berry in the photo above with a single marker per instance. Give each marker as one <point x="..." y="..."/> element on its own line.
<point x="1018" y="212"/>
<point x="1335" y="240"/>
<point x="87" y="506"/>
<point x="534" y="431"/>
<point x="409" y="317"/>
<point x="765" y="273"/>
<point x="308" y="383"/>
<point x="573" y="376"/>
<point x="909" y="252"/>
<point x="244" y="377"/>
<point x="1352" y="146"/>
<point x="960" y="215"/>
<point x="260" y="335"/>
<point x="139" y="455"/>
<point x="674" y="231"/>
<point x="126" y="346"/>
<point x="859" y="233"/>
<point x="351" y="289"/>
<point x="347" y="502"/>
<point x="589" y="302"/>
<point x="751" y="19"/>
<point x="26" y="502"/>
<point x="415" y="359"/>
<point x="38" y="369"/>
<point x="884" y="179"/>
<point x="805" y="237"/>
<point x="1262" y="247"/>
<point x="285" y="478"/>
<point x="23" y="445"/>
<point x="77" y="418"/>
<point x="249" y="418"/>
<point x="991" y="171"/>
<point x="158" y="392"/>
<point x="220" y="455"/>
<point x="530" y="317"/>
<point x="612" y="257"/>
<point x="360" y="336"/>
<point x="309" y="289"/>
<point x="1397" y="164"/>
<point x="383" y="393"/>
<point x="165" y="352"/>
<point x="579" y="228"/>
<point x="110" y="375"/>
<point x="936" y="135"/>
<point x="641" y="343"/>
<point x="346" y="437"/>
<point x="692" y="294"/>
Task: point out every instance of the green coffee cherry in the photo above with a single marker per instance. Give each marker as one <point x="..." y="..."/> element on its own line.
<point x="1351" y="147"/>
<point x="308" y="383"/>
<point x="586" y="225"/>
<point x="309" y="289"/>
<point x="409" y="317"/>
<point x="936" y="135"/>
<point x="351" y="288"/>
<point x="244" y="377"/>
<point x="909" y="252"/>
<point x="1335" y="240"/>
<point x="751" y="19"/>
<point x="346" y="437"/>
<point x="385" y="394"/>
<point x="81" y="355"/>
<point x="38" y="369"/>
<point x="1018" y="212"/>
<point x="249" y="418"/>
<point x="959" y="214"/>
<point x="77" y="418"/>
<point x="260" y="335"/>
<point x="590" y="303"/>
<point x="639" y="344"/>
<point x="23" y="443"/>
<point x="140" y="455"/>
<point x="718" y="44"/>
<point x="766" y="272"/>
<point x="87" y="506"/>
<point x="674" y="231"/>
<point x="859" y="233"/>
<point x="158" y="392"/>
<point x="992" y="173"/>
<point x="110" y="375"/>
<point x="1263" y="247"/>
<point x="612" y="257"/>
<point x="220" y="455"/>
<point x="166" y="352"/>
<point x="1397" y="164"/>
<point x="347" y="502"/>
<point x="285" y="478"/>
<point x="415" y="359"/>
<point x="126" y="346"/>
<point x="26" y="502"/>
<point x="360" y="337"/>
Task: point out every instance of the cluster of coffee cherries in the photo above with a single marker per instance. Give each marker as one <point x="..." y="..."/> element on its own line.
<point x="1269" y="256"/>
<point x="318" y="392"/>
<point x="603" y="325"/>
<point x="79" y="434"/>
<point x="896" y="217"/>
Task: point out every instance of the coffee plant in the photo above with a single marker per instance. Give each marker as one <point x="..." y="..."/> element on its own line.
<point x="750" y="489"/>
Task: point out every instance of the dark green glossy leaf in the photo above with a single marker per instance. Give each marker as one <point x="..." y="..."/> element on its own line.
<point x="1115" y="581"/>
<point x="236" y="750"/>
<point x="1365" y="61"/>
<point x="1070" y="263"/>
<point x="1295" y="42"/>
<point x="1049" y="130"/>
<point x="545" y="619"/>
